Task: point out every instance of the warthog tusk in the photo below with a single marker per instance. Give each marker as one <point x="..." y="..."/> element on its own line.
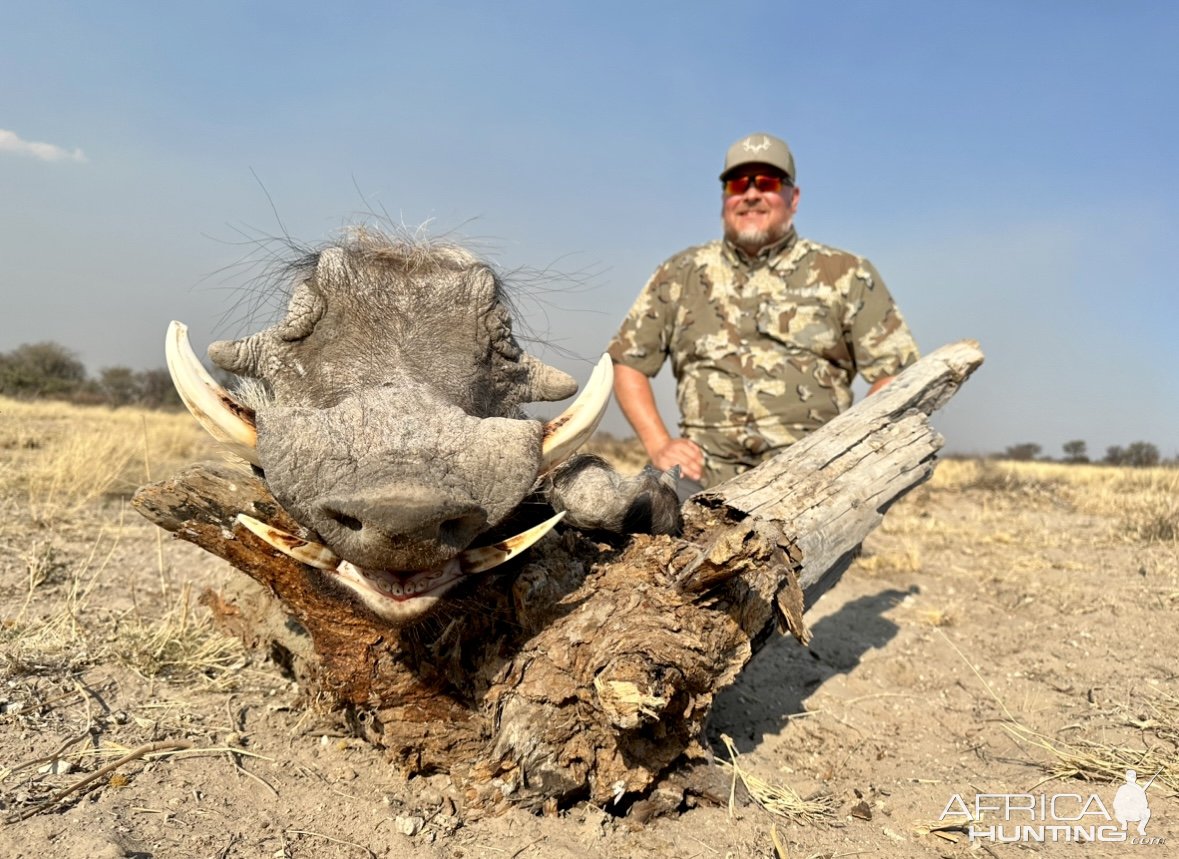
<point x="304" y="551"/>
<point x="486" y="557"/>
<point x="223" y="417"/>
<point x="564" y="434"/>
<point x="316" y="555"/>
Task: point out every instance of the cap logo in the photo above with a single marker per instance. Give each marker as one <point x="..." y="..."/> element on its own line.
<point x="749" y="146"/>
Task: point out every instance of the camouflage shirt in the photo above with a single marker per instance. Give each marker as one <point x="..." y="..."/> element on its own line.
<point x="764" y="350"/>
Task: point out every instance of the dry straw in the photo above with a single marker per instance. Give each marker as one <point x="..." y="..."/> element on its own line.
<point x="778" y="800"/>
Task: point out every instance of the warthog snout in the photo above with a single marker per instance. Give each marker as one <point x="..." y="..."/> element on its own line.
<point x="405" y="527"/>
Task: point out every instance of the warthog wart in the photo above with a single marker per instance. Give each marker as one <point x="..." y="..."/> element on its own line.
<point x="386" y="419"/>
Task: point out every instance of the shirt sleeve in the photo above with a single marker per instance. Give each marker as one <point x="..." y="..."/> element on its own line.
<point x="880" y="340"/>
<point x="644" y="338"/>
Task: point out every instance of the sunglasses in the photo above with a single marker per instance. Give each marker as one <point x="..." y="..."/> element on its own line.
<point x="764" y="184"/>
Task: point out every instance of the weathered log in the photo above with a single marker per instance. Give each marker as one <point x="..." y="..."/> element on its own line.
<point x="585" y="669"/>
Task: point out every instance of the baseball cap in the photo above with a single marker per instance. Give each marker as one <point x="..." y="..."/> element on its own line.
<point x="760" y="148"/>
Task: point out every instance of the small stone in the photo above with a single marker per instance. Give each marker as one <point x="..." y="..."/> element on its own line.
<point x="408" y="825"/>
<point x="58" y="767"/>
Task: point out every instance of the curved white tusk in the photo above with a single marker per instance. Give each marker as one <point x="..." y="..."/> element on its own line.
<point x="564" y="434"/>
<point x="485" y="557"/>
<point x="304" y="551"/>
<point x="223" y="417"/>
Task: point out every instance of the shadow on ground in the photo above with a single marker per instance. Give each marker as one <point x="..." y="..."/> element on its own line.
<point x="780" y="677"/>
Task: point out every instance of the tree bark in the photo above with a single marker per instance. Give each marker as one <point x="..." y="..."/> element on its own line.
<point x="586" y="668"/>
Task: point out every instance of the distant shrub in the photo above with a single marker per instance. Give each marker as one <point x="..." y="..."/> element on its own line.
<point x="1140" y="454"/>
<point x="40" y="370"/>
<point x="51" y="371"/>
<point x="1025" y="452"/>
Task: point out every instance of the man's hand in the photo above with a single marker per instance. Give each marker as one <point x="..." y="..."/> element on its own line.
<point x="633" y="391"/>
<point x="682" y="452"/>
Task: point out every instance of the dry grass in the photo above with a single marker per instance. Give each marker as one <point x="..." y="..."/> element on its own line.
<point x="57" y="458"/>
<point x="59" y="630"/>
<point x="182" y="647"/>
<point x="778" y="800"/>
<point x="905" y="560"/>
<point x="61" y="466"/>
<point x="1100" y="760"/>
<point x="1095" y="761"/>
<point x="54" y="632"/>
<point x="1144" y="502"/>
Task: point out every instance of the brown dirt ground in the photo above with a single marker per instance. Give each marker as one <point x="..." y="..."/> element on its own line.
<point x="972" y="611"/>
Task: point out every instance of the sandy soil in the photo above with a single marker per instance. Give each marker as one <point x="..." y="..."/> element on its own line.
<point x="982" y="637"/>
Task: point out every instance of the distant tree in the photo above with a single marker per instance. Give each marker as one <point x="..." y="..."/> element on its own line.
<point x="89" y="393"/>
<point x="156" y="389"/>
<point x="1115" y="454"/>
<point x="40" y="370"/>
<point x="119" y="386"/>
<point x="1142" y="454"/>
<point x="1075" y="451"/>
<point x="1023" y="452"/>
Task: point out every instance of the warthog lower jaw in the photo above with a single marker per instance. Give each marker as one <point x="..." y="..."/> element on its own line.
<point x="398" y="596"/>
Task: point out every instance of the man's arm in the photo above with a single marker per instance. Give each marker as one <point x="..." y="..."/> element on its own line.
<point x="637" y="400"/>
<point x="879" y="339"/>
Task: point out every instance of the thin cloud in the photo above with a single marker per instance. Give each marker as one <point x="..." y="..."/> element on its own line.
<point x="10" y="141"/>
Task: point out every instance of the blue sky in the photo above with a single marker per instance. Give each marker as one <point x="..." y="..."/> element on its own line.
<point x="1008" y="166"/>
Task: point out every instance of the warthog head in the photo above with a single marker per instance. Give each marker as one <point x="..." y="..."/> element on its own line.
<point x="388" y="421"/>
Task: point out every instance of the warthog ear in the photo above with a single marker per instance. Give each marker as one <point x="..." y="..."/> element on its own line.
<point x="306" y="308"/>
<point x="545" y="383"/>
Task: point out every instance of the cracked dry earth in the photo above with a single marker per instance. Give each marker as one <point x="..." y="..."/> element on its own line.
<point x="992" y="633"/>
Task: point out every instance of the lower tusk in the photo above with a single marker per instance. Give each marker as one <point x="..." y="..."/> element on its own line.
<point x="223" y="417"/>
<point x="486" y="557"/>
<point x="470" y="560"/>
<point x="304" y="551"/>
<point x="564" y="434"/>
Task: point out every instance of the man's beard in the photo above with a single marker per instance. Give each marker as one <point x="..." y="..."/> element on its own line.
<point x="752" y="240"/>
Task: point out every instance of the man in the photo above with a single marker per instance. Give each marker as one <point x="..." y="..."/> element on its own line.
<point x="765" y="330"/>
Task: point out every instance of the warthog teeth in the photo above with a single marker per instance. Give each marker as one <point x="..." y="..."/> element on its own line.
<point x="304" y="551"/>
<point x="564" y="434"/>
<point x="223" y="417"/>
<point x="486" y="557"/>
<point x="470" y="561"/>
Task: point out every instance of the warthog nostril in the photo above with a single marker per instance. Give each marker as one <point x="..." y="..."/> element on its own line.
<point x="349" y="522"/>
<point x="344" y="518"/>
<point x="416" y="513"/>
